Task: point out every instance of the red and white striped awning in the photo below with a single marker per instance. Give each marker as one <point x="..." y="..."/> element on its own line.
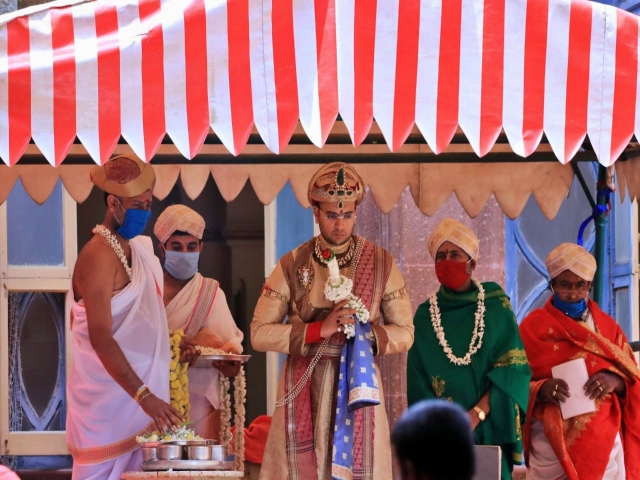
<point x="142" y="68"/>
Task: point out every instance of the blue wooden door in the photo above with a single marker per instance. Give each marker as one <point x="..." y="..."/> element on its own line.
<point x="622" y="260"/>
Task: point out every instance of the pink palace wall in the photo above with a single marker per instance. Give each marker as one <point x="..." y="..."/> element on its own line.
<point x="404" y="232"/>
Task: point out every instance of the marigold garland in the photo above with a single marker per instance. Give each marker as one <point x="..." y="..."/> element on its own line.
<point x="178" y="378"/>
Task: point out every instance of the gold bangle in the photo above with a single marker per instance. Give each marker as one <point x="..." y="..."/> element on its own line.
<point x="140" y="391"/>
<point x="143" y="397"/>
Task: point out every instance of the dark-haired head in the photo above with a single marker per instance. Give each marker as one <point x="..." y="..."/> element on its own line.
<point x="426" y="437"/>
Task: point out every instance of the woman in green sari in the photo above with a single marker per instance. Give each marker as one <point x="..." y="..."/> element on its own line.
<point x="467" y="348"/>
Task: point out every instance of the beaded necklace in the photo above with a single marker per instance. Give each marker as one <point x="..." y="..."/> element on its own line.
<point x="117" y="248"/>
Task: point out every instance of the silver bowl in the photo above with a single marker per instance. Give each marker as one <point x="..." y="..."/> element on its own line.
<point x="169" y="452"/>
<point x="201" y="452"/>
<point x="217" y="453"/>
<point x="149" y="453"/>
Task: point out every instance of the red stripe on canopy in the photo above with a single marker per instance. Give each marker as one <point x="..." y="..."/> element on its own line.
<point x="327" y="64"/>
<point x="108" y="79"/>
<point x="626" y="84"/>
<point x="152" y="78"/>
<point x="284" y="60"/>
<point x="64" y="83"/>
<point x="577" y="78"/>
<point x="404" y="108"/>
<point x="535" y="57"/>
<point x="449" y="73"/>
<point x="195" y="41"/>
<point x="239" y="73"/>
<point x="19" y="88"/>
<point x="364" y="47"/>
<point x="492" y="74"/>
<point x="517" y="31"/>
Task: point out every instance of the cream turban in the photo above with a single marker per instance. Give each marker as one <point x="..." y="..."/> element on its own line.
<point x="124" y="176"/>
<point x="178" y="218"/>
<point x="449" y="230"/>
<point x="572" y="257"/>
<point x="336" y="183"/>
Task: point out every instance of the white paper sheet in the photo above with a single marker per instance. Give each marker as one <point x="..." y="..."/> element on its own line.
<point x="488" y="462"/>
<point x="574" y="372"/>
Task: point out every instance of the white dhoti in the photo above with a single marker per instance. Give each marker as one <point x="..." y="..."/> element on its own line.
<point x="544" y="464"/>
<point x="200" y="309"/>
<point x="102" y="419"/>
<point x="110" y="470"/>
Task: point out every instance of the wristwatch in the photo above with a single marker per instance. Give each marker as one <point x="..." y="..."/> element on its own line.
<point x="481" y="415"/>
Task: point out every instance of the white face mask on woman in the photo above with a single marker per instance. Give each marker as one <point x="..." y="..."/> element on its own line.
<point x="181" y="265"/>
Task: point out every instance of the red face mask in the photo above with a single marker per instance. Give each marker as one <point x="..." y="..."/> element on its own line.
<point x="452" y="274"/>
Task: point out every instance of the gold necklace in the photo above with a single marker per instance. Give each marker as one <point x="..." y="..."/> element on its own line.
<point x="317" y="250"/>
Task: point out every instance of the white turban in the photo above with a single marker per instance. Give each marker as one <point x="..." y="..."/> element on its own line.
<point x="449" y="230"/>
<point x="572" y="257"/>
<point x="178" y="218"/>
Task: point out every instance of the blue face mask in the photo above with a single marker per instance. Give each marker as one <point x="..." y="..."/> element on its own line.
<point x="134" y="222"/>
<point x="181" y="265"/>
<point x="574" y="310"/>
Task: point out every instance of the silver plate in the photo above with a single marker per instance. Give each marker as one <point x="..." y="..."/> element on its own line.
<point x="190" y="443"/>
<point x="204" y="361"/>
<point x="184" y="443"/>
<point x="156" y="465"/>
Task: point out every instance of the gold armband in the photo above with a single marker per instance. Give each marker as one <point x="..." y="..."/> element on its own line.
<point x="395" y="294"/>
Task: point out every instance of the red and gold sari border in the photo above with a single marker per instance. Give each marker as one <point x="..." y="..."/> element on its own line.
<point x="107" y="452"/>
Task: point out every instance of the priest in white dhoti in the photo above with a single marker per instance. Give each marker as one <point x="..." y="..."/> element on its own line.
<point x="118" y="384"/>
<point x="197" y="306"/>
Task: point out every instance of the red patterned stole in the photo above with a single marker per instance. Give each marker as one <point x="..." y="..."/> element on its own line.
<point x="371" y="275"/>
<point x="204" y="303"/>
<point x="583" y="444"/>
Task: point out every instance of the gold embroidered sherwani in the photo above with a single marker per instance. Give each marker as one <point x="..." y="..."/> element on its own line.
<point x="294" y="292"/>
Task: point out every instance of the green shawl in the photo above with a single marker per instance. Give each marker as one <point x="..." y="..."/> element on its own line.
<point x="500" y="363"/>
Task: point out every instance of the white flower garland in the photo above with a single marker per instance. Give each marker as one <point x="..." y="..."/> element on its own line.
<point x="225" y="412"/>
<point x="240" y="398"/>
<point x="337" y="289"/>
<point x="115" y="244"/>
<point x="478" y="328"/>
<point x="240" y="394"/>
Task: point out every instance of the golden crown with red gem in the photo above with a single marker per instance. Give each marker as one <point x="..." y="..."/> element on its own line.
<point x="336" y="183"/>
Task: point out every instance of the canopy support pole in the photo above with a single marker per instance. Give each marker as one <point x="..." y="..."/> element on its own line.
<point x="602" y="191"/>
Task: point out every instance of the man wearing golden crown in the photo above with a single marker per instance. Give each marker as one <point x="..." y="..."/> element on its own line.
<point x="308" y="438"/>
<point x="197" y="306"/>
<point x="118" y="385"/>
<point x="467" y="347"/>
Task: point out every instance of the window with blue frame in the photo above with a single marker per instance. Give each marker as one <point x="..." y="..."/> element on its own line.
<point x="531" y="236"/>
<point x="36" y="285"/>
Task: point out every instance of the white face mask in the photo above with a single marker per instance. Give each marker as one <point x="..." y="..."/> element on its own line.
<point x="181" y="265"/>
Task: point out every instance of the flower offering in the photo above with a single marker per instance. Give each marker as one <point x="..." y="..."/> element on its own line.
<point x="181" y="434"/>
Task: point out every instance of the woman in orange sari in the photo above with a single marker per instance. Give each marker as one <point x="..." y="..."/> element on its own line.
<point x="604" y="444"/>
